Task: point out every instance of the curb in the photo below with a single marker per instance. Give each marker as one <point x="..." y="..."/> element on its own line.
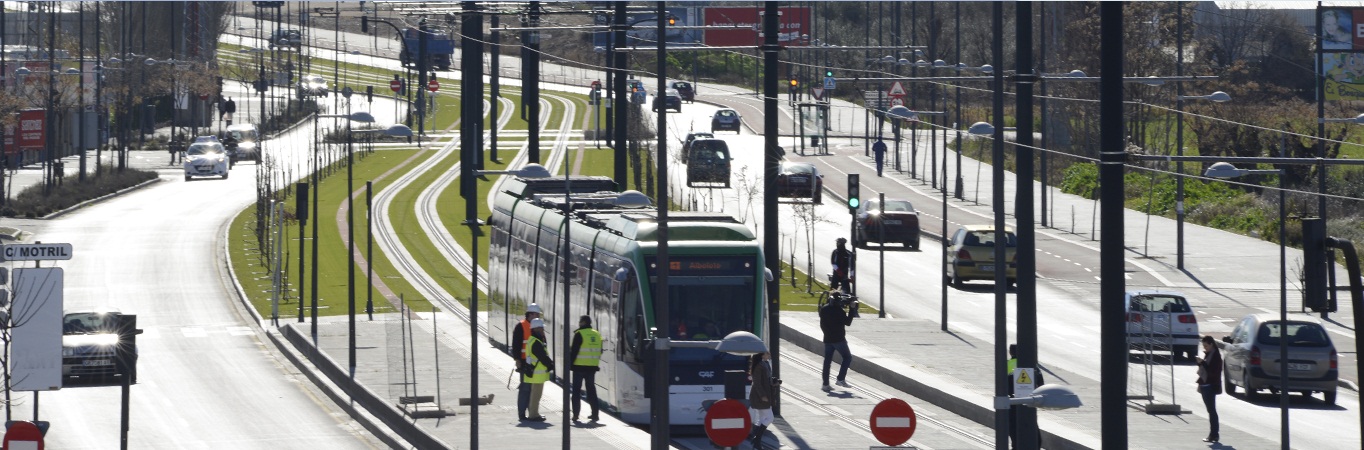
<point x="100" y="199"/>
<point x="297" y="354"/>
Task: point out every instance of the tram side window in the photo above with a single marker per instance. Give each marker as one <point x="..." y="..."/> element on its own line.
<point x="631" y="315"/>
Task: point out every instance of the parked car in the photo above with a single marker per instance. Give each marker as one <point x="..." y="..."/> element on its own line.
<point x="971" y="255"/>
<point x="1250" y="356"/>
<point x="242" y="141"/>
<point x="685" y="90"/>
<point x="312" y="86"/>
<point x="725" y="119"/>
<point x="708" y="162"/>
<point x="669" y="100"/>
<point x="692" y="137"/>
<point x="286" y="38"/>
<point x="1161" y="321"/>
<point x="896" y="221"/>
<point x="637" y="91"/>
<point x="800" y="180"/>
<point x="89" y="345"/>
<point x="206" y="157"/>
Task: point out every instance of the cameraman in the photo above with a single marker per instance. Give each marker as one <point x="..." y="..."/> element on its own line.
<point x="833" y="320"/>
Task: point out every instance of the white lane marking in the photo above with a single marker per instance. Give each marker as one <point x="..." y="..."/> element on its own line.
<point x="191" y="332"/>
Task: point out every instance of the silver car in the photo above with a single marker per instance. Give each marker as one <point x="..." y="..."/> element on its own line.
<point x="1161" y="321"/>
<point x="1250" y="356"/>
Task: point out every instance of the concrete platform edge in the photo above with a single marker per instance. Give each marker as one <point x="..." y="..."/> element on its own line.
<point x="937" y="395"/>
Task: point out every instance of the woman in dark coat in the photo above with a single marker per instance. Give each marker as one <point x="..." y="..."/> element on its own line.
<point x="1210" y="383"/>
<point x="761" y="396"/>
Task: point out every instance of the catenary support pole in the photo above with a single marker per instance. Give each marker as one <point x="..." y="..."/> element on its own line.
<point x="771" y="158"/>
<point x="619" y="103"/>
<point x="1026" y="295"/>
<point x="661" y="420"/>
<point x="1112" y="314"/>
<point x="1001" y="331"/>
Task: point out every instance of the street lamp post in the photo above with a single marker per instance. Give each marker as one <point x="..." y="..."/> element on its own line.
<point x="1227" y="170"/>
<point x="1218" y="97"/>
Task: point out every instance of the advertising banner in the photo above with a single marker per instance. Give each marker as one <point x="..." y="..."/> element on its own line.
<point x="794" y="24"/>
<point x="32" y="130"/>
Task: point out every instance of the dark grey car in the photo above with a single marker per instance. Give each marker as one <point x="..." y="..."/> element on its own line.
<point x="1250" y="356"/>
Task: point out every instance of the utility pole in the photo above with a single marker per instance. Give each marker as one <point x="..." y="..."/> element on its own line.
<point x="495" y="81"/>
<point x="471" y="144"/>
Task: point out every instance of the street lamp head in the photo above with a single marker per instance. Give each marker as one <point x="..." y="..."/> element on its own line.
<point x="1077" y="73"/>
<point x="986" y="68"/>
<point x="939" y="63"/>
<point x="902" y="62"/>
<point x="742" y="343"/>
<point x="115" y="60"/>
<point x="632" y="199"/>
<point x="888" y="59"/>
<point x="22" y="71"/>
<point x="1223" y="170"/>
<point x="981" y="129"/>
<point x="361" y="116"/>
<point x="1219" y="97"/>
<point x="73" y="71"/>
<point x="921" y="63"/>
<point x="150" y="62"/>
<point x="1055" y="396"/>
<point x="398" y="130"/>
<point x="1153" y="80"/>
<point x="532" y="170"/>
<point x="901" y="112"/>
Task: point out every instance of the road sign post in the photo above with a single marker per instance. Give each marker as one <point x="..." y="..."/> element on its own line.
<point x="893" y="422"/>
<point x="728" y="423"/>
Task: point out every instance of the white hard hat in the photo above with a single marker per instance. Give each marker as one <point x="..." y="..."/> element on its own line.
<point x="533" y="308"/>
<point x="537" y="323"/>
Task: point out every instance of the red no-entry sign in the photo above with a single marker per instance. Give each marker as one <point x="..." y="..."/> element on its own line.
<point x="893" y="421"/>
<point x="433" y="86"/>
<point x="23" y="435"/>
<point x="727" y="423"/>
<point x="395" y="85"/>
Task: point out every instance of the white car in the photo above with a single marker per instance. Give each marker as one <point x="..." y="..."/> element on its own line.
<point x="1161" y="321"/>
<point x="206" y="157"/>
<point x="312" y="85"/>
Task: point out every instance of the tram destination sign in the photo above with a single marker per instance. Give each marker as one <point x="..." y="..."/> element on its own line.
<point x="720" y="265"/>
<point x="35" y="252"/>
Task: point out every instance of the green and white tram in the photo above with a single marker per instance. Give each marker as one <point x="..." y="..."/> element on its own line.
<point x="715" y="286"/>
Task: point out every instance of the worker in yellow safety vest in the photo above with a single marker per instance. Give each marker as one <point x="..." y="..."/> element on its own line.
<point x="518" y="351"/>
<point x="586" y="356"/>
<point x="537" y="358"/>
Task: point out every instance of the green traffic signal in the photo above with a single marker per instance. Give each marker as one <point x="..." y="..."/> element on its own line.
<point x="829" y="73"/>
<point x="853" y="202"/>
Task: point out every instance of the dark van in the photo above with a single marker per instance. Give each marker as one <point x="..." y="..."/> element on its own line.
<point x="707" y="162"/>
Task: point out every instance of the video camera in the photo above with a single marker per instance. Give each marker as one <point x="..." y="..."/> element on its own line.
<point x="844" y="300"/>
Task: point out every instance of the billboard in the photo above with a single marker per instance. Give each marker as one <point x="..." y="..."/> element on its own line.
<point x="36" y="353"/>
<point x="794" y="24"/>
<point x="1342" y="60"/>
<point x="644" y="28"/>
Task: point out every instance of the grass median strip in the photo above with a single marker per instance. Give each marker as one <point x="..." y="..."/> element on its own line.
<point x="249" y="262"/>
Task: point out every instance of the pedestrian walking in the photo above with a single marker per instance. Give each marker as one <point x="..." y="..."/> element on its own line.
<point x="761" y="396"/>
<point x="879" y="149"/>
<point x="229" y="110"/>
<point x="537" y="358"/>
<point x="1210" y="384"/>
<point x="586" y="355"/>
<point x="842" y="260"/>
<point x="518" y="350"/>
<point x="833" y="321"/>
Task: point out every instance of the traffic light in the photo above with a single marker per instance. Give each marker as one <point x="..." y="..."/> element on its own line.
<point x="364" y="24"/>
<point x="369" y="94"/>
<point x="301" y="207"/>
<point x="828" y="73"/>
<point x="794" y="83"/>
<point x="672" y="20"/>
<point x="854" y="192"/>
<point x="1314" y="265"/>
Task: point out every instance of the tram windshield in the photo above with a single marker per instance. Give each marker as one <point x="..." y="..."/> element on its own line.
<point x="710" y="297"/>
